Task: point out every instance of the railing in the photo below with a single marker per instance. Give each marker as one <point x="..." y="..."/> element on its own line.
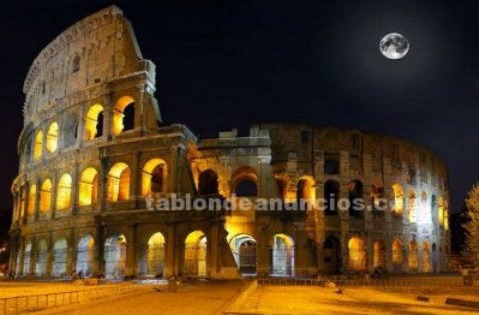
<point x="32" y="303"/>
<point x="369" y="283"/>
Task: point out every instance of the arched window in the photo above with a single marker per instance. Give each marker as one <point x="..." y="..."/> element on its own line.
<point x="332" y="255"/>
<point x="52" y="138"/>
<point x="154" y="177"/>
<point x="243" y="247"/>
<point x="305" y="191"/>
<point x="32" y="197"/>
<point x="208" y="183"/>
<point x="195" y="263"/>
<point x="64" y="192"/>
<point x="331" y="195"/>
<point x="119" y="183"/>
<point x="86" y="255"/>
<point x="413" y="256"/>
<point x="123" y="115"/>
<point x="46" y="196"/>
<point x="397" y="255"/>
<point x="440" y="211"/>
<point x="60" y="253"/>
<point x="94" y="122"/>
<point x="398" y="199"/>
<point x="41" y="258"/>
<point x="378" y="253"/>
<point x="115" y="256"/>
<point x="356" y="200"/>
<point x="38" y="148"/>
<point x="153" y="259"/>
<point x="357" y="254"/>
<point x="426" y="257"/>
<point x="282" y="258"/>
<point x="244" y="182"/>
<point x="412" y="206"/>
<point x="88" y="187"/>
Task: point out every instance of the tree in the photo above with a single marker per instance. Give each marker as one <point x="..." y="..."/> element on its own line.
<point x="472" y="225"/>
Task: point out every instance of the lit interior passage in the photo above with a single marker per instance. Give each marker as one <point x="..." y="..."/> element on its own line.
<point x="357" y="254"/>
<point x="441" y="211"/>
<point x="397" y="252"/>
<point x="38" y="146"/>
<point x="412" y="206"/>
<point x="46" y="196"/>
<point x="64" y="192"/>
<point x="52" y="137"/>
<point x="88" y="187"/>
<point x="152" y="261"/>
<point x="282" y="257"/>
<point x="244" y="251"/>
<point x="27" y="259"/>
<point x="123" y="115"/>
<point x="154" y="177"/>
<point x="41" y="259"/>
<point x="379" y="254"/>
<point x="426" y="257"/>
<point x="60" y="256"/>
<point x="306" y="192"/>
<point x="94" y="122"/>
<point x="398" y="199"/>
<point x="86" y="255"/>
<point x="115" y="257"/>
<point x="195" y="254"/>
<point x="119" y="182"/>
<point x="32" y="198"/>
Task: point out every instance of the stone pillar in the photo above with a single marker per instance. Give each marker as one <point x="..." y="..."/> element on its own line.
<point x="170" y="253"/>
<point x="49" y="267"/>
<point x="75" y="190"/>
<point x="99" y="263"/>
<point x="37" y="201"/>
<point x="135" y="180"/>
<point x="72" y="253"/>
<point x="263" y="251"/>
<point x="131" y="252"/>
<point x="33" y="256"/>
<point x="369" y="247"/>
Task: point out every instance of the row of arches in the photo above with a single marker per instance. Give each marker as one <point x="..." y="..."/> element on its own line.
<point x="154" y="180"/>
<point x="122" y="119"/>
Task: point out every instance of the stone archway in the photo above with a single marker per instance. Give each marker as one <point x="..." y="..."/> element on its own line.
<point x="195" y="263"/>
<point x="244" y="251"/>
<point x="282" y="256"/>
<point x="332" y="255"/>
<point x="115" y="256"/>
<point x="85" y="256"/>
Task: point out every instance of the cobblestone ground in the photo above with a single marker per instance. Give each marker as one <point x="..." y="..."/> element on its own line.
<point x="190" y="299"/>
<point x="354" y="300"/>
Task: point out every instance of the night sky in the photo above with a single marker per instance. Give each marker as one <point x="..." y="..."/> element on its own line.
<point x="225" y="64"/>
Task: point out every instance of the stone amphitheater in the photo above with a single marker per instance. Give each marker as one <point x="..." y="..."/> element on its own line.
<point x="94" y="153"/>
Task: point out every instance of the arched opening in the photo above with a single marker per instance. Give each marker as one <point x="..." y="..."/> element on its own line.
<point x="244" y="182"/>
<point x="38" y="147"/>
<point x="357" y="254"/>
<point x="123" y="115"/>
<point x="426" y="257"/>
<point x="86" y="256"/>
<point x="306" y="192"/>
<point x="46" y="196"/>
<point x="94" y="122"/>
<point x="425" y="216"/>
<point x="153" y="261"/>
<point x="377" y="199"/>
<point x="379" y="254"/>
<point x="119" y="183"/>
<point x="195" y="254"/>
<point x="397" y="252"/>
<point x="356" y="199"/>
<point x="32" y="198"/>
<point x="115" y="257"/>
<point x="64" y="192"/>
<point x="332" y="255"/>
<point x="398" y="199"/>
<point x="70" y="129"/>
<point x="331" y="195"/>
<point x="52" y="138"/>
<point x="440" y="211"/>
<point x="412" y="206"/>
<point x="413" y="257"/>
<point x="243" y="247"/>
<point x="282" y="256"/>
<point x="154" y="177"/>
<point x="60" y="253"/>
<point x="42" y="253"/>
<point x="88" y="187"/>
<point x="208" y="183"/>
<point x="27" y="254"/>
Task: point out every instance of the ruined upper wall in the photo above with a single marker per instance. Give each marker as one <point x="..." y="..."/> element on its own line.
<point x="93" y="51"/>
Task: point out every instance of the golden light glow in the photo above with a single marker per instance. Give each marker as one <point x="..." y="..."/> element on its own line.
<point x="195" y="253"/>
<point x="32" y="197"/>
<point x="412" y="206"/>
<point x="52" y="138"/>
<point x="378" y="254"/>
<point x="398" y="199"/>
<point x="426" y="257"/>
<point x="357" y="254"/>
<point x="306" y="189"/>
<point x="154" y="177"/>
<point x="118" y="114"/>
<point x="88" y="187"/>
<point x="46" y="196"/>
<point x="92" y="121"/>
<point x="38" y="148"/>
<point x="413" y="259"/>
<point x="119" y="183"/>
<point x="440" y="209"/>
<point x="397" y="252"/>
<point x="64" y="192"/>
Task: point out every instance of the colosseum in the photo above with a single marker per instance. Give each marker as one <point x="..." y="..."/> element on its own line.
<point x="94" y="154"/>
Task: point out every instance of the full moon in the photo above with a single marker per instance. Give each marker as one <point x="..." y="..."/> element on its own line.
<point x="394" y="46"/>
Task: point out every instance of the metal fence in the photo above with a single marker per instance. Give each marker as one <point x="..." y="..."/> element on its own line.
<point x="369" y="283"/>
<point x="32" y="303"/>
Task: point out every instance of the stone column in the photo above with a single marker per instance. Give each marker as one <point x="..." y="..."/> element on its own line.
<point x="263" y="251"/>
<point x="131" y="252"/>
<point x="49" y="267"/>
<point x="170" y="253"/>
<point x="99" y="263"/>
<point x="33" y="256"/>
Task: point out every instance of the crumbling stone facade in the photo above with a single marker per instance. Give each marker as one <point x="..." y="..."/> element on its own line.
<point x="94" y="155"/>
